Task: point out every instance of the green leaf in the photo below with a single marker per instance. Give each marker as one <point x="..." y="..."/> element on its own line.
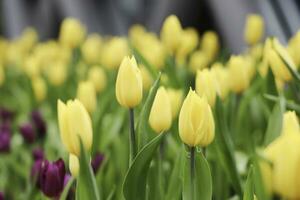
<point x="134" y="187"/>
<point x="225" y="149"/>
<point x="275" y="122"/>
<point x="270" y="84"/>
<point x="142" y="136"/>
<point x="202" y="183"/>
<point x="65" y="192"/>
<point x="259" y="185"/>
<point x="249" y="187"/>
<point x="174" y="189"/>
<point x="86" y="182"/>
<point x="288" y="103"/>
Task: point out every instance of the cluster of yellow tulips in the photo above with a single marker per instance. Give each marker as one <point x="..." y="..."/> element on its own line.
<point x="228" y="111"/>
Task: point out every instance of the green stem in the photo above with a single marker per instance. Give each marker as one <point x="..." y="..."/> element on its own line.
<point x="192" y="163"/>
<point x="132" y="135"/>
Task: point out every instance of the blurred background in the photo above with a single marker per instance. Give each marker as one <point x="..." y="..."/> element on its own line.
<point x="114" y="17"/>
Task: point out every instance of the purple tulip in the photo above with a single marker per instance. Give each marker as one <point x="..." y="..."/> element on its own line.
<point x="4" y="141"/>
<point x="5" y="127"/>
<point x="1" y="196"/>
<point x="39" y="123"/>
<point x="51" y="178"/>
<point x="97" y="161"/>
<point x="36" y="171"/>
<point x="38" y="154"/>
<point x="6" y="115"/>
<point x="28" y="132"/>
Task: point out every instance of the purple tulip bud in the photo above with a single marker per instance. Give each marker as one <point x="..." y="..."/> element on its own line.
<point x="4" y="141"/>
<point x="6" y="115"/>
<point x="38" y="154"/>
<point x="97" y="161"/>
<point x="5" y="127"/>
<point x="1" y="196"/>
<point x="39" y="123"/>
<point x="36" y="172"/>
<point x="51" y="178"/>
<point x="28" y="132"/>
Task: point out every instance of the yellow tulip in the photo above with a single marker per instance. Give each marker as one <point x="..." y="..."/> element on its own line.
<point x="147" y="78"/>
<point x="206" y="85"/>
<point x="198" y="60"/>
<point x="188" y="42"/>
<point x="210" y="44"/>
<point x="97" y="76"/>
<point x="170" y="33"/>
<point x="196" y="122"/>
<point x="160" y="118"/>
<point x="86" y="94"/>
<point x="254" y="29"/>
<point x="39" y="88"/>
<point x="176" y="100"/>
<point x="91" y="49"/>
<point x="290" y="123"/>
<point x="57" y="73"/>
<point x="238" y="74"/>
<point x="28" y="39"/>
<point x="222" y="78"/>
<point x="293" y="46"/>
<point x="113" y="52"/>
<point x="74" y="123"/>
<point x="2" y="75"/>
<point x="32" y="66"/>
<point x="135" y="33"/>
<point x="154" y="52"/>
<point x="129" y="84"/>
<point x="74" y="166"/>
<point x="72" y="33"/>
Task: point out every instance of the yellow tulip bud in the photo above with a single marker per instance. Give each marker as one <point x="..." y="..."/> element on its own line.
<point x="160" y="118"/>
<point x="290" y="123"/>
<point x="91" y="49"/>
<point x="254" y="29"/>
<point x="97" y="76"/>
<point x="170" y="33"/>
<point x="188" y="42"/>
<point x="2" y="75"/>
<point x="198" y="60"/>
<point x="267" y="176"/>
<point x="293" y="46"/>
<point x="74" y="166"/>
<point x="196" y="122"/>
<point x="86" y="94"/>
<point x="39" y="88"/>
<point x="238" y="74"/>
<point x="28" y="39"/>
<point x="113" y="52"/>
<point x="206" y="85"/>
<point x="57" y="73"/>
<point x="222" y="78"/>
<point x="147" y="78"/>
<point x="210" y="45"/>
<point x="129" y="84"/>
<point x="32" y="66"/>
<point x="72" y="33"/>
<point x="176" y="100"/>
<point x="154" y="52"/>
<point x="135" y="33"/>
<point x="74" y="123"/>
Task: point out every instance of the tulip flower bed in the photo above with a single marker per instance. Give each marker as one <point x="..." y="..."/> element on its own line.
<point x="149" y="117"/>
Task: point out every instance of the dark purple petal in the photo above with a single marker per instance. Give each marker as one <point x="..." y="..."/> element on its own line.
<point x="1" y="196"/>
<point x="39" y="123"/>
<point x="28" y="132"/>
<point x="36" y="172"/>
<point x="97" y="161"/>
<point x="6" y="115"/>
<point x="5" y="127"/>
<point x="4" y="142"/>
<point x="38" y="154"/>
<point x="66" y="179"/>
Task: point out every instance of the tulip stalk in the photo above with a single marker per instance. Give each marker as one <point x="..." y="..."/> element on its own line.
<point x="132" y="139"/>
<point x="192" y="170"/>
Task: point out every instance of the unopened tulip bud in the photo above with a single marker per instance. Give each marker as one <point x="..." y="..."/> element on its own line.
<point x="86" y="94"/>
<point x="74" y="165"/>
<point x="91" y="49"/>
<point x="72" y="33"/>
<point x="196" y="122"/>
<point x="147" y="78"/>
<point x="32" y="66"/>
<point x="97" y="161"/>
<point x="57" y="73"/>
<point x="74" y="121"/>
<point x="238" y="73"/>
<point x="206" y="85"/>
<point x="129" y="85"/>
<point x="210" y="44"/>
<point x="28" y="132"/>
<point x="38" y="154"/>
<point x="188" y="42"/>
<point x="176" y="100"/>
<point x="5" y="138"/>
<point x="97" y="76"/>
<point x="39" y="123"/>
<point x="2" y="75"/>
<point x="39" y="88"/>
<point x="254" y="29"/>
<point x="160" y="118"/>
<point x="222" y="78"/>
<point x="198" y="60"/>
<point x="170" y="33"/>
<point x="290" y="123"/>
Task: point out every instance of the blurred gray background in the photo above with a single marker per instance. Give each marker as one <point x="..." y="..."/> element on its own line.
<point x="227" y="17"/>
